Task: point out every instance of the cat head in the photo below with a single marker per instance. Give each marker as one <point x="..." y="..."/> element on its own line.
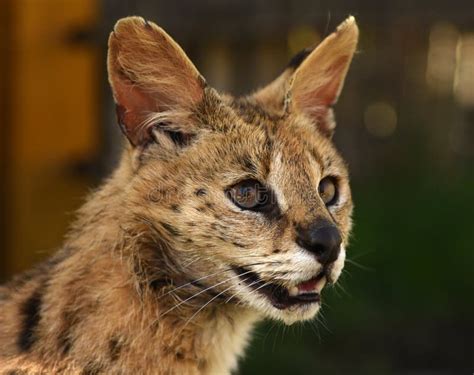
<point x="245" y="196"/>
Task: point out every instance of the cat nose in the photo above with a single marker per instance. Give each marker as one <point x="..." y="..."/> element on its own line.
<point x="322" y="239"/>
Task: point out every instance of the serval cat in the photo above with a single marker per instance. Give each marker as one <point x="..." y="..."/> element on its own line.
<point x="222" y="211"/>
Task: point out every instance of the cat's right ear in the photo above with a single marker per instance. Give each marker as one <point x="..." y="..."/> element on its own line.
<point x="312" y="82"/>
<point x="152" y="79"/>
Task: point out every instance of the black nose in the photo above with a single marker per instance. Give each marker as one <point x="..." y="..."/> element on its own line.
<point x="322" y="239"/>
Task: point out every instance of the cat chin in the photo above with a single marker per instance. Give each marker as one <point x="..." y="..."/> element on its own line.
<point x="290" y="315"/>
<point x="288" y="305"/>
<point x="295" y="314"/>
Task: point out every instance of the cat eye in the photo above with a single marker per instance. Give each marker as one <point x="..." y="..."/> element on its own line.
<point x="328" y="190"/>
<point x="249" y="195"/>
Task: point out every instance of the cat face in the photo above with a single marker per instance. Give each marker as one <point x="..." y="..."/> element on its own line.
<point x="248" y="196"/>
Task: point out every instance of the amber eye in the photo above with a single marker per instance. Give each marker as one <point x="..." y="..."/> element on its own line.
<point x="328" y="190"/>
<point x="249" y="195"/>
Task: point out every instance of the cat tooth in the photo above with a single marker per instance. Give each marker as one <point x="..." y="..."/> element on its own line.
<point x="293" y="291"/>
<point x="320" y="285"/>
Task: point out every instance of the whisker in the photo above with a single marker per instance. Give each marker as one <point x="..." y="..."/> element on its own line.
<point x="233" y="295"/>
<point x="360" y="255"/>
<point x="339" y="285"/>
<point x="212" y="274"/>
<point x="262" y="286"/>
<point x="321" y="320"/>
<point x="254" y="290"/>
<point x="273" y="324"/>
<point x="362" y="267"/>
<point x="182" y="302"/>
<point x="202" y="291"/>
<point x="314" y="327"/>
<point x="206" y="304"/>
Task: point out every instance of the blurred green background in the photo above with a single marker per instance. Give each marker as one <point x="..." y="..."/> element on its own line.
<point x="405" y="304"/>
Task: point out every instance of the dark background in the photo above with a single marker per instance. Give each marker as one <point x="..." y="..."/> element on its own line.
<point x="405" y="304"/>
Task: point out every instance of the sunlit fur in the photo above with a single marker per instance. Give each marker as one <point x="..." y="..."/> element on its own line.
<point x="119" y="297"/>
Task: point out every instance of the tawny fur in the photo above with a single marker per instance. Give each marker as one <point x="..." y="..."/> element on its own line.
<point x="119" y="298"/>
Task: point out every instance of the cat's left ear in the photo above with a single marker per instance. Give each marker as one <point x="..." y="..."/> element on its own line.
<point x="318" y="81"/>
<point x="314" y="79"/>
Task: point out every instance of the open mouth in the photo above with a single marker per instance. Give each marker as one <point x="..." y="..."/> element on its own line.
<point x="306" y="292"/>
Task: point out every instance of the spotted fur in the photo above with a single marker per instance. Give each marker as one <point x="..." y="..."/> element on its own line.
<point x="146" y="282"/>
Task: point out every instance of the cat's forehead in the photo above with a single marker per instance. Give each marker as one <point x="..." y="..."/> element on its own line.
<point x="252" y="112"/>
<point x="289" y="137"/>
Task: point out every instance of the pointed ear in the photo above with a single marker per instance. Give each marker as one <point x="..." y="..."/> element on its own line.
<point x="151" y="77"/>
<point x="317" y="82"/>
<point x="273" y="95"/>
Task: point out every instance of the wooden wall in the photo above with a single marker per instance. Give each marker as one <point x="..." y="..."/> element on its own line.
<point x="50" y="98"/>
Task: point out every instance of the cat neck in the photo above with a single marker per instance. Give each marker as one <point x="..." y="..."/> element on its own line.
<point x="146" y="328"/>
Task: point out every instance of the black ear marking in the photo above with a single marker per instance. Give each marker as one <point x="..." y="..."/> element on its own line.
<point x="297" y="59"/>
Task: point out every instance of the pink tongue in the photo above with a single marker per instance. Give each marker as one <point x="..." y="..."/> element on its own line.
<point x="307" y="286"/>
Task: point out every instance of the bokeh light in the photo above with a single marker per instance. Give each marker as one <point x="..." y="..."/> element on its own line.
<point x="380" y="119"/>
<point x="464" y="80"/>
<point x="441" y="62"/>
